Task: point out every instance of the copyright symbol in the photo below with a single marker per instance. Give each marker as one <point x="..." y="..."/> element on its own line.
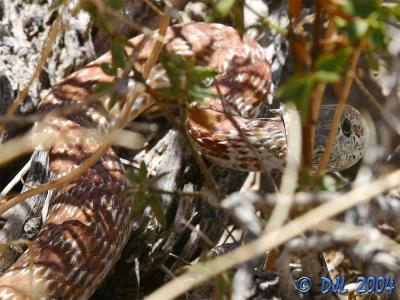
<point x="304" y="284"/>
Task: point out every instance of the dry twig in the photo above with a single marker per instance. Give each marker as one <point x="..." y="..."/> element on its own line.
<point x="340" y="107"/>
<point x="276" y="237"/>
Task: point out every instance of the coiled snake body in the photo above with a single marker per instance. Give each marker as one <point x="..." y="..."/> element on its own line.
<point x="89" y="224"/>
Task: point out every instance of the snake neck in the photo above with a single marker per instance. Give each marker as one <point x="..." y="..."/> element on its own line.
<point x="220" y="141"/>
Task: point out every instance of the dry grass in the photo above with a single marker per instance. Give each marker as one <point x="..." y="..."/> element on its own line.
<point x="278" y="229"/>
<point x="272" y="239"/>
<point x="348" y="81"/>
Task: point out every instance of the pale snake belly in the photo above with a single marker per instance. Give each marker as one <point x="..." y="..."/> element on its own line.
<point x="89" y="219"/>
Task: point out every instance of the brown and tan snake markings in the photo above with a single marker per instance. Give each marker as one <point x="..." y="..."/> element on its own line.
<point x="88" y="223"/>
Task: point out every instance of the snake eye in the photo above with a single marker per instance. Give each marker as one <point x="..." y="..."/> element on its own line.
<point x="346" y="127"/>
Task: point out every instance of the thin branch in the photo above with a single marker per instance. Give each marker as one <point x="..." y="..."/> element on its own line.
<point x="359" y="233"/>
<point x="289" y="178"/>
<point x="316" y="34"/>
<point x="316" y="100"/>
<point x="109" y="12"/>
<point x="43" y="135"/>
<point x="275" y="238"/>
<point x="154" y="8"/>
<point x="176" y="193"/>
<point x="390" y="119"/>
<point x="211" y="183"/>
<point x="308" y="129"/>
<point x="340" y="107"/>
<point x="164" y="22"/>
<point x="16" y="179"/>
<point x="47" y="47"/>
<point x="75" y="173"/>
<point x="126" y="116"/>
<point x="265" y="21"/>
<point x="202" y="235"/>
<point x="155" y="53"/>
<point x="228" y="114"/>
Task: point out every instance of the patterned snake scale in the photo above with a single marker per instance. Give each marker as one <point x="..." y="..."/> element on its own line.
<point x="88" y="222"/>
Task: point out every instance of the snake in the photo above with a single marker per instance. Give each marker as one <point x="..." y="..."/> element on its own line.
<point x="89" y="219"/>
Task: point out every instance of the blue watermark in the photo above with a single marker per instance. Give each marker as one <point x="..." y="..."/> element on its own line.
<point x="367" y="285"/>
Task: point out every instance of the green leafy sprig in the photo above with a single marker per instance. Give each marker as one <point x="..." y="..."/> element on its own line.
<point x="139" y="190"/>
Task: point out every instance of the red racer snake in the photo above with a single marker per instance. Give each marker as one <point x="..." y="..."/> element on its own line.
<point x="88" y="223"/>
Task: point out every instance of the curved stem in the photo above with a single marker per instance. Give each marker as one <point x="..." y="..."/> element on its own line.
<point x="340" y="107"/>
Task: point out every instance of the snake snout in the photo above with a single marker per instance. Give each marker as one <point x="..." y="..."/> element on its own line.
<point x="350" y="141"/>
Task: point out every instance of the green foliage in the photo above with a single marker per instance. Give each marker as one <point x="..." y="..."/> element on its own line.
<point x="56" y="4"/>
<point x="335" y="64"/>
<point x="222" y="283"/>
<point x="116" y="4"/>
<point x="237" y="17"/>
<point x="103" y="87"/>
<point x="228" y="10"/>
<point x="187" y="80"/>
<point x="361" y="8"/>
<point x="298" y="88"/>
<point x="119" y="56"/>
<point x="141" y="177"/>
<point x="372" y="61"/>
<point x="395" y="11"/>
<point x="106" y="88"/>
<point x="109" y="70"/>
<point x="223" y="7"/>
<point x="105" y="23"/>
<point x="223" y="286"/>
<point x="118" y="53"/>
<point x="139" y="191"/>
<point x="368" y="18"/>
<point x="364" y="21"/>
<point x="356" y="30"/>
<point x="329" y="69"/>
<point x="319" y="182"/>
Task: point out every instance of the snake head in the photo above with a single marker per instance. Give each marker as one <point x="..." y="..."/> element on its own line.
<point x="350" y="142"/>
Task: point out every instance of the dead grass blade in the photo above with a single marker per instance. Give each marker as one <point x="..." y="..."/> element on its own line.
<point x="340" y="107"/>
<point x="359" y="233"/>
<point x="276" y="237"/>
<point x="289" y="178"/>
<point x="75" y="173"/>
<point x="43" y="137"/>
